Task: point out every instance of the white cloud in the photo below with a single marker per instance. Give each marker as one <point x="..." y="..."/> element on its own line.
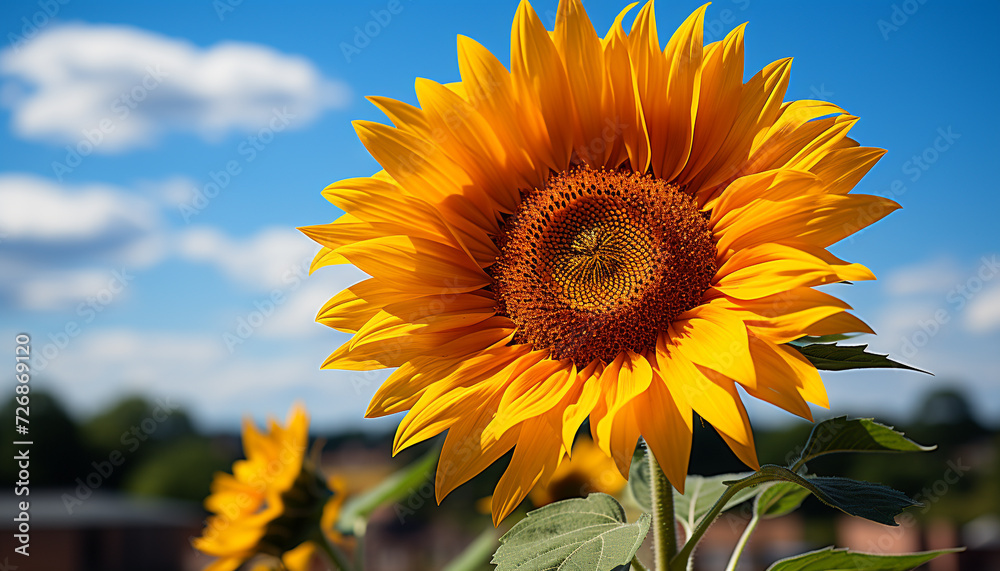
<point x="272" y="258"/>
<point x="933" y="276"/>
<point x="195" y="370"/>
<point x="983" y="314"/>
<point x="38" y="210"/>
<point x="59" y="289"/>
<point x="125" y="86"/>
<point x="63" y="243"/>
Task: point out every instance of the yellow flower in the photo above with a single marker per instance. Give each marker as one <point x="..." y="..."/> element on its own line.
<point x="298" y="559"/>
<point x="273" y="502"/>
<point x="589" y="470"/>
<point x="608" y="230"/>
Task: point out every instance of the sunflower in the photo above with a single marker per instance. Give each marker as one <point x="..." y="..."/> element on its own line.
<point x="298" y="559"/>
<point x="608" y="230"/>
<point x="273" y="501"/>
<point x="589" y="470"/>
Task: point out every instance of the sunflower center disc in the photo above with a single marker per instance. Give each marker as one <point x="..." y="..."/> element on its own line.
<point x="599" y="261"/>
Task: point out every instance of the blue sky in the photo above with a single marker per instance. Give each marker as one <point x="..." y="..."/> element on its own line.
<point x="129" y="282"/>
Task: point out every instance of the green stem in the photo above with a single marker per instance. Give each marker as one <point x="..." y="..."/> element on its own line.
<point x="664" y="524"/>
<point x="680" y="560"/>
<point x="476" y="553"/>
<point x="336" y="556"/>
<point x="637" y="565"/>
<point x="738" y="551"/>
<point x="765" y="474"/>
<point x="360" y="527"/>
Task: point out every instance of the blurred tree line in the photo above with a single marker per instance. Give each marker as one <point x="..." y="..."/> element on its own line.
<point x="161" y="454"/>
<point x="174" y="460"/>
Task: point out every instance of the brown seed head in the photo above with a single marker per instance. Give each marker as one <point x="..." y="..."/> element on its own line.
<point x="599" y="261"/>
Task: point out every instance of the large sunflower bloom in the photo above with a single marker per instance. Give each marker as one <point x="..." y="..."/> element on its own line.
<point x="608" y="230"/>
<point x="273" y="502"/>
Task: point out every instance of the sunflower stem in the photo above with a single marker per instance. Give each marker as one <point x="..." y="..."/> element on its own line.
<point x="637" y="565"/>
<point x="337" y="557"/>
<point x="679" y="562"/>
<point x="360" y="527"/>
<point x="738" y="551"/>
<point x="664" y="524"/>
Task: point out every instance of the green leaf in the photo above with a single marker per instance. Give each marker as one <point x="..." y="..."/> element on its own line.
<point x="780" y="499"/>
<point x="874" y="502"/>
<point x="394" y="488"/>
<point x="855" y="435"/>
<point x="830" y="559"/>
<point x="810" y="339"/>
<point x="845" y="357"/>
<point x="582" y="534"/>
<point x="701" y="493"/>
<point x="638" y="482"/>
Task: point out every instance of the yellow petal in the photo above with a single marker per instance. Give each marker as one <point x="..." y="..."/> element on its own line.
<point x="633" y="377"/>
<point x="843" y="168"/>
<point x="622" y="105"/>
<point x="540" y="80"/>
<point x="714" y="338"/>
<point x="771" y="269"/>
<point x="815" y="220"/>
<point x="469" y="139"/>
<point x="718" y="100"/>
<point x="416" y="264"/>
<point x="777" y="382"/>
<point x="490" y="90"/>
<point x="444" y="402"/>
<point x="403" y="115"/>
<point x="711" y="395"/>
<point x="760" y="104"/>
<point x="684" y="58"/>
<point x="583" y="60"/>
<point x="667" y="428"/>
<point x="533" y="393"/>
<point x="464" y="455"/>
<point x="786" y="316"/>
<point x="536" y="456"/>
<point x="353" y="307"/>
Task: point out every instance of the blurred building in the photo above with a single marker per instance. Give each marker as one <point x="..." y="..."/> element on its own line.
<point x="104" y="532"/>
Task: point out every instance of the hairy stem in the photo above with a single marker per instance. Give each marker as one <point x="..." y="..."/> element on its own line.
<point x="664" y="524"/>
<point x="637" y="565"/>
